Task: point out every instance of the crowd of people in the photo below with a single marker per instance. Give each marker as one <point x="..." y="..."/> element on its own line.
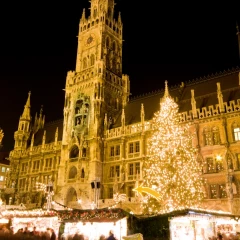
<point x="25" y="234"/>
<point x="80" y="236"/>
<point x="49" y="234"/>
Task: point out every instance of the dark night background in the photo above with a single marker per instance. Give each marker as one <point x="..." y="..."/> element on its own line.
<point x="170" y="41"/>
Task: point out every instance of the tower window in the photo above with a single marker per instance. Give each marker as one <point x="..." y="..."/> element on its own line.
<point x="84" y="152"/>
<point x="84" y="63"/>
<point x="82" y="173"/>
<point x="92" y="60"/>
<point x="114" y="46"/>
<point x="74" y="152"/>
<point x="236" y="132"/>
<point x="72" y="172"/>
<point x="95" y="12"/>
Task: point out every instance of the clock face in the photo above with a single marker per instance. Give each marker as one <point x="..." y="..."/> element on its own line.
<point x="90" y="40"/>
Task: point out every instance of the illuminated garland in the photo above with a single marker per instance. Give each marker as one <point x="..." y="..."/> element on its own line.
<point x="96" y="215"/>
<point x="27" y="213"/>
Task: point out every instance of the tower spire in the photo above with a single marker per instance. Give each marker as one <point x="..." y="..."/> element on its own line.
<point x="166" y="93"/>
<point x="26" y="112"/>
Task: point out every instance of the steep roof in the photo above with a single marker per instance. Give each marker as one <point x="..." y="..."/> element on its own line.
<point x="205" y="94"/>
<point x="50" y="129"/>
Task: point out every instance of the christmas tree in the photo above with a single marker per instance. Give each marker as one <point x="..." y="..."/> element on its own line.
<point x="172" y="175"/>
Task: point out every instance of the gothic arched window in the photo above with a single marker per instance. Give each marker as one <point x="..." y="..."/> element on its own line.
<point x="74" y="152"/>
<point x="211" y="136"/>
<point x="216" y="136"/>
<point x="114" y="46"/>
<point x="95" y="12"/>
<point x="72" y="172"/>
<point x="84" y="63"/>
<point x="92" y="60"/>
<point x="207" y="136"/>
<point x="107" y="42"/>
<point x="236" y="132"/>
<point x="82" y="173"/>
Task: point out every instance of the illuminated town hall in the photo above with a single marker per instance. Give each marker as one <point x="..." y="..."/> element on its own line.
<point x="98" y="153"/>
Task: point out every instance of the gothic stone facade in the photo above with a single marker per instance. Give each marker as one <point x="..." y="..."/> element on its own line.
<point x="99" y="147"/>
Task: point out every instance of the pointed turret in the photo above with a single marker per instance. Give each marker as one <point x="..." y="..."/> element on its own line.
<point x="22" y="135"/>
<point x="43" y="140"/>
<point x="220" y="98"/>
<point x="142" y="115"/>
<point x="119" y="18"/>
<point x="193" y="102"/>
<point x="83" y="15"/>
<point x="26" y="112"/>
<point x="39" y="121"/>
<point x="56" y="138"/>
<point x="166" y="93"/>
<point x="32" y="143"/>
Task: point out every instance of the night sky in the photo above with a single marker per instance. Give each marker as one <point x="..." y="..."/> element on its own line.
<point x="171" y="41"/>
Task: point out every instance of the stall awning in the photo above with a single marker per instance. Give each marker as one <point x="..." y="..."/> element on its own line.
<point x="92" y="215"/>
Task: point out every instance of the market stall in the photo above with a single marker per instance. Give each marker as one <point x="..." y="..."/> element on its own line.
<point x="198" y="226"/>
<point x="187" y="224"/>
<point x="93" y="223"/>
<point x="38" y="218"/>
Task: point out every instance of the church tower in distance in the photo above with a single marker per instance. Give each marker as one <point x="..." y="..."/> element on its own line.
<point x="94" y="94"/>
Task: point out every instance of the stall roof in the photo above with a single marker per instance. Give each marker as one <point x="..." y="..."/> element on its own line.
<point x="92" y="215"/>
<point x="188" y="211"/>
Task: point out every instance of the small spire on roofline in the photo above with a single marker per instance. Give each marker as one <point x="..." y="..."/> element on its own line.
<point x="166" y="93"/>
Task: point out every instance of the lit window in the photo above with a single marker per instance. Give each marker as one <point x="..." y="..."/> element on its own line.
<point x="211" y="136"/>
<point x="236" y="132"/>
<point x="3" y="169"/>
<point x="213" y="191"/>
<point x="219" y="166"/>
<point x="1" y="178"/>
<point x="210" y="165"/>
<point x="222" y="191"/>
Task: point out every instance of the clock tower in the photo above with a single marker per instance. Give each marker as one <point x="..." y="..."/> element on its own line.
<point x="94" y="93"/>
